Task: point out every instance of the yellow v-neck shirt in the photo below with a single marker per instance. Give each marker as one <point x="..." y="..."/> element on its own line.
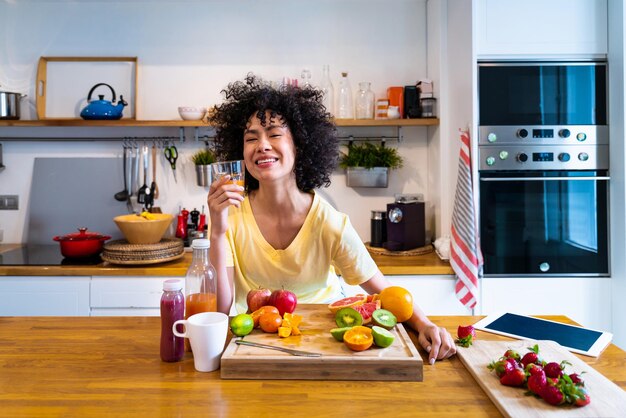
<point x="326" y="243"/>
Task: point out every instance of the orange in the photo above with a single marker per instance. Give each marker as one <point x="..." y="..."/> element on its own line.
<point x="270" y="322"/>
<point x="358" y="338"/>
<point x="263" y="309"/>
<point x="398" y="301"/>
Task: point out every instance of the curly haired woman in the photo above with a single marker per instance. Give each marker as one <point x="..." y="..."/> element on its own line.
<point x="282" y="233"/>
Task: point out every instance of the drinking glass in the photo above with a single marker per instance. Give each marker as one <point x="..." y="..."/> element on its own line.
<point x="235" y="169"/>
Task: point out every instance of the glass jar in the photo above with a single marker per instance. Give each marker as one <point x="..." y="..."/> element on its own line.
<point x="345" y="105"/>
<point x="365" y="101"/>
<point x="200" y="282"/>
<point x="328" y="90"/>
<point x="305" y="78"/>
<point x="172" y="310"/>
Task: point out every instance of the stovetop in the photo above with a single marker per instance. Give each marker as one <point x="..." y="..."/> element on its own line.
<point x="43" y="255"/>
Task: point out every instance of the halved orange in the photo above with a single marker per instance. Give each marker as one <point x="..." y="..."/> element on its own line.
<point x="398" y="301"/>
<point x="358" y="338"/>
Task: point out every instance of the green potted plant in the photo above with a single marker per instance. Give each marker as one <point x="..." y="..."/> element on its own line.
<point x="368" y="165"/>
<point x="202" y="159"/>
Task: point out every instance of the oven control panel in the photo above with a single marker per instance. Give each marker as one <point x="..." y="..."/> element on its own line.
<point x="547" y="157"/>
<point x="543" y="135"/>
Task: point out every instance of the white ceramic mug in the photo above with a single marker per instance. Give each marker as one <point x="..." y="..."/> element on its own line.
<point x="207" y="335"/>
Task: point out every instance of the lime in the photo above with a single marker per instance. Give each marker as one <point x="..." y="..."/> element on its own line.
<point x="242" y="324"/>
<point x="382" y="337"/>
<point x="337" y="333"/>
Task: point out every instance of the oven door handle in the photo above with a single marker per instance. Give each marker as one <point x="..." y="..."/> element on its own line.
<point x="603" y="178"/>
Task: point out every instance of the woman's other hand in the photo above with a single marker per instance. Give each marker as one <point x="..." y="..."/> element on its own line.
<point x="222" y="194"/>
<point x="436" y="341"/>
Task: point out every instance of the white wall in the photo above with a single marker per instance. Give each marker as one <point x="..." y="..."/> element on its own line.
<point x="189" y="50"/>
<point x="617" y="76"/>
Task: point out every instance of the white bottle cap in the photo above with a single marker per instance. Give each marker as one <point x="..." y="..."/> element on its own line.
<point x="172" y="285"/>
<point x="200" y="243"/>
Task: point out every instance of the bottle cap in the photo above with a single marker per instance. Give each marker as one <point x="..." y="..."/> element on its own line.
<point x="172" y="285"/>
<point x="200" y="243"/>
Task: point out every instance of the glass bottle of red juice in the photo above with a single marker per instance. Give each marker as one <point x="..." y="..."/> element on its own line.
<point x="200" y="282"/>
<point x="172" y="310"/>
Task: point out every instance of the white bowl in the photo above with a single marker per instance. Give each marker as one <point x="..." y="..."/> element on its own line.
<point x="191" y="113"/>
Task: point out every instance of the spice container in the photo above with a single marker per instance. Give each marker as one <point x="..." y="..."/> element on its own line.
<point x="172" y="310"/>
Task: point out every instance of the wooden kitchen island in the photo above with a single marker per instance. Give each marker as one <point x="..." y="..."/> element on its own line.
<point x="110" y="367"/>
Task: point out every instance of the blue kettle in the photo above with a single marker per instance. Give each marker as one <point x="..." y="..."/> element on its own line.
<point x="103" y="109"/>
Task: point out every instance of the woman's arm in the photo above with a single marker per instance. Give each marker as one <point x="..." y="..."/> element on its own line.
<point x="222" y="194"/>
<point x="435" y="340"/>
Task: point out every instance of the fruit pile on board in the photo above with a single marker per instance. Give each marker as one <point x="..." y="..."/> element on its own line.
<point x="270" y="311"/>
<point x="544" y="380"/>
<point x="365" y="320"/>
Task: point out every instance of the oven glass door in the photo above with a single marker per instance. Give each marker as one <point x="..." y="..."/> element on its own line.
<point x="542" y="94"/>
<point x="544" y="223"/>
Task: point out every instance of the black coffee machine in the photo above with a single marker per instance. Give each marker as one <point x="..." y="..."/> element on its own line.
<point x="406" y="223"/>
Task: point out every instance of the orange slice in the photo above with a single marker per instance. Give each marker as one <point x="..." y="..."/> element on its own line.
<point x="358" y="338"/>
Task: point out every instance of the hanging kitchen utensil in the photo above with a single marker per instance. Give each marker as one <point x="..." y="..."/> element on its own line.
<point x="154" y="189"/>
<point x="144" y="190"/>
<point x="123" y="195"/>
<point x="171" y="154"/>
<point x="103" y="109"/>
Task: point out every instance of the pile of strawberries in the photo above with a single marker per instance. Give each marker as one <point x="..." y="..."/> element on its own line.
<point x="545" y="380"/>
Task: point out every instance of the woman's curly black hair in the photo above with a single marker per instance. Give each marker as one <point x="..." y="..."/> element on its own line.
<point x="314" y="135"/>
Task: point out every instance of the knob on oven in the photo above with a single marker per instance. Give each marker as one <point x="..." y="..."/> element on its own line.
<point x="522" y="133"/>
<point x="544" y="267"/>
<point x="564" y="157"/>
<point x="564" y="133"/>
<point x="522" y="157"/>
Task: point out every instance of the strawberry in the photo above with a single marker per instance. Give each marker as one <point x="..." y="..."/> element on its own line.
<point x="552" y="395"/>
<point x="502" y="366"/>
<point x="532" y="356"/>
<point x="466" y="335"/>
<point x="576" y="379"/>
<point x="512" y="354"/>
<point x="515" y="377"/>
<point x="583" y="398"/>
<point x="533" y="369"/>
<point x="536" y="382"/>
<point x="554" y="369"/>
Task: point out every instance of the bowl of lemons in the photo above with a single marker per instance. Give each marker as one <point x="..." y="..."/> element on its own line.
<point x="144" y="228"/>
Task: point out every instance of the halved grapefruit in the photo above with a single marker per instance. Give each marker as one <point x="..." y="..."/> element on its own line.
<point x="366" y="310"/>
<point x="350" y="302"/>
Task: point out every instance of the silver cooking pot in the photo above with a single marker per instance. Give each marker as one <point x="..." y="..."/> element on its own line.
<point x="10" y="105"/>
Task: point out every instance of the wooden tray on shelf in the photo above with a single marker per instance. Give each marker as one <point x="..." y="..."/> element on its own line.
<point x="41" y="84"/>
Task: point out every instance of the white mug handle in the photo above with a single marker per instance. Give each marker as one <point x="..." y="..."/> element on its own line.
<point x="182" y="322"/>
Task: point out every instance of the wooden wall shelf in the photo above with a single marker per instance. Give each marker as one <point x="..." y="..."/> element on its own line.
<point x="198" y="123"/>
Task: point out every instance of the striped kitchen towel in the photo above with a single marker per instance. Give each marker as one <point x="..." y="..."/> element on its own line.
<point x="465" y="255"/>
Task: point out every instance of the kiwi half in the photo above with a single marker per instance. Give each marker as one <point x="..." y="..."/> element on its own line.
<point x="384" y="318"/>
<point x="348" y="317"/>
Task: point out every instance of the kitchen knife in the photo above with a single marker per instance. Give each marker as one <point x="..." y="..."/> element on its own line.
<point x="286" y="350"/>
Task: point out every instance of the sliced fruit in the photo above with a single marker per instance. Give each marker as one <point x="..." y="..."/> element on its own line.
<point x="338" y="333"/>
<point x="358" y="338"/>
<point x="398" y="301"/>
<point x="366" y="310"/>
<point x="284" y="332"/>
<point x="384" y="318"/>
<point x="372" y="298"/>
<point x="382" y="337"/>
<point x="292" y="321"/>
<point x="348" y="317"/>
<point x="347" y="303"/>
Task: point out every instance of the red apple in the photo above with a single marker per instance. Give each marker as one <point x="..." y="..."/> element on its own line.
<point x="284" y="301"/>
<point x="257" y="298"/>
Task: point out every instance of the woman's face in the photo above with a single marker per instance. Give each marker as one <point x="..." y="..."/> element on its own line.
<point x="269" y="151"/>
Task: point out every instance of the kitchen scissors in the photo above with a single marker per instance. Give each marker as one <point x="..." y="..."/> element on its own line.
<point x="171" y="154"/>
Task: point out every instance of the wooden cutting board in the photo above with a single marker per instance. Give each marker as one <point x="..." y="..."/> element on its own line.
<point x="607" y="399"/>
<point x="398" y="362"/>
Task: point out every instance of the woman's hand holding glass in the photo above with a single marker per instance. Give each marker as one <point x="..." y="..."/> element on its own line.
<point x="226" y="190"/>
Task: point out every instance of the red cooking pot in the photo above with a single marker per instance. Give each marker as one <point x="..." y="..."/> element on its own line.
<point x="81" y="244"/>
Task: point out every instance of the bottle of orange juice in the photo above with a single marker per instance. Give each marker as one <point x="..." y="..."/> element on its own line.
<point x="200" y="282"/>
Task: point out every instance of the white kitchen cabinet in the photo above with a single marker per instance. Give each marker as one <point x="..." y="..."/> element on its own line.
<point x="433" y="294"/>
<point x="586" y="300"/>
<point x="44" y="296"/>
<point x="126" y="296"/>
<point x="541" y="27"/>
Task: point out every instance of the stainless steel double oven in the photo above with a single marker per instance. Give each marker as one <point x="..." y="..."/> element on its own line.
<point x="544" y="168"/>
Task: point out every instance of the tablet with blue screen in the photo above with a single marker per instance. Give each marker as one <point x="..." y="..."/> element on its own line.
<point x="580" y="340"/>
